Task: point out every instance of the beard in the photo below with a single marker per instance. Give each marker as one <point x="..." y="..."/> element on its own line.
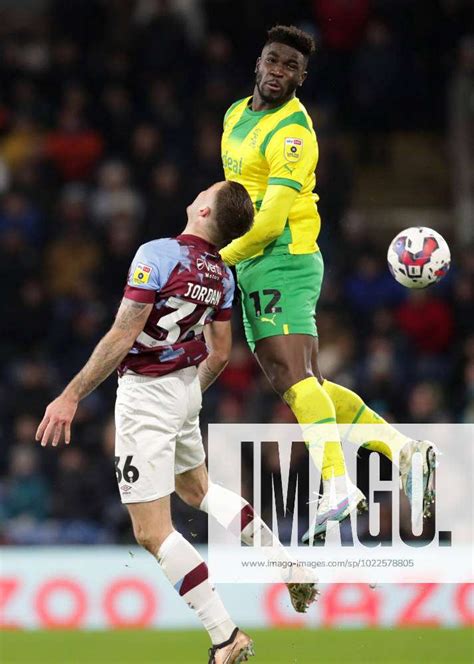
<point x="273" y="97"/>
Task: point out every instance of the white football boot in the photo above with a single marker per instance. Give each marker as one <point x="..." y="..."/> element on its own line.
<point x="428" y="457"/>
<point x="335" y="509"/>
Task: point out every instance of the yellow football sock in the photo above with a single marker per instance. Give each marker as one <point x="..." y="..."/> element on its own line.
<point x="312" y="406"/>
<point x="350" y="409"/>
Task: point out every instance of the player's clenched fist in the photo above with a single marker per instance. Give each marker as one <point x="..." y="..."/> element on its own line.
<point x="57" y="417"/>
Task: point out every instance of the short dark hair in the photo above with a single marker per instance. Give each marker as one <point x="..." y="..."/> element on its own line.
<point x="292" y="36"/>
<point x="233" y="213"/>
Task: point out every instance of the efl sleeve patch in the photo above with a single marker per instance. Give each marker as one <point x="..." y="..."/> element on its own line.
<point x="141" y="274"/>
<point x="293" y="149"/>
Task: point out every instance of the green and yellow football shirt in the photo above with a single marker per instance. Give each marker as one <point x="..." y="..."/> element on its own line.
<point x="275" y="147"/>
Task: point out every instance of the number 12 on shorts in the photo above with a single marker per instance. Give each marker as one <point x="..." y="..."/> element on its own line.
<point x="270" y="305"/>
<point x="129" y="473"/>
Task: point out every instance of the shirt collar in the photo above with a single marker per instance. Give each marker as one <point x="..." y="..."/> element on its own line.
<point x="198" y="242"/>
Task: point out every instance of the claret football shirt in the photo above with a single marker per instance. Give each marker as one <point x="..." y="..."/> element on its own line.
<point x="189" y="286"/>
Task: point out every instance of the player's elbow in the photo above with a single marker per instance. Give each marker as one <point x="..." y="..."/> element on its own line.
<point x="275" y="231"/>
<point x="219" y="359"/>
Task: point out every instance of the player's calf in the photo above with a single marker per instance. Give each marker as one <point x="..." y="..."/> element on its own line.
<point x="151" y="523"/>
<point x="182" y="565"/>
<point x="192" y="486"/>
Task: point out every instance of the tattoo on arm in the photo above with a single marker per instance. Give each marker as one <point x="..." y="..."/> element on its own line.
<point x="111" y="349"/>
<point x="129" y="313"/>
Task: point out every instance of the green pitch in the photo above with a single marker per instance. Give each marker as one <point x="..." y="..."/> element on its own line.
<point x="367" y="646"/>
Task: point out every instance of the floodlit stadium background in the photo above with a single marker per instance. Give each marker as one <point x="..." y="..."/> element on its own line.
<point x="110" y="120"/>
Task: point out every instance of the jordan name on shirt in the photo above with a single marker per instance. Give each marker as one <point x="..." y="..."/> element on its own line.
<point x="203" y="294"/>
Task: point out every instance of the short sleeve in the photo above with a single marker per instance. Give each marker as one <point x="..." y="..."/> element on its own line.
<point x="291" y="153"/>
<point x="144" y="275"/>
<point x="225" y="310"/>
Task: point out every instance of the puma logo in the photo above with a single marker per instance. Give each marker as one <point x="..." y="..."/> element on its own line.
<point x="264" y="319"/>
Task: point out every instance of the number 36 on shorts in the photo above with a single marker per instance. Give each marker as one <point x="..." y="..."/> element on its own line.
<point x="129" y="473"/>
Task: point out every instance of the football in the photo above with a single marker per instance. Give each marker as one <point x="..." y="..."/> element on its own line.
<point x="418" y="257"/>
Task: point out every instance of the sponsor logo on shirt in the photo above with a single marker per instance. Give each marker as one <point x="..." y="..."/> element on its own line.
<point x="141" y="274"/>
<point x="213" y="268"/>
<point x="230" y="164"/>
<point x="254" y="138"/>
<point x="293" y="149"/>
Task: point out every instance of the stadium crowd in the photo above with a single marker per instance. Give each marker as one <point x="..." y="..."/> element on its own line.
<point x="110" y="119"/>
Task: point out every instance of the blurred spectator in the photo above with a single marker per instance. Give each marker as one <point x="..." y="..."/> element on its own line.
<point x="208" y="164"/>
<point x="21" y="143"/>
<point x="65" y="64"/>
<point x="377" y="83"/>
<point x="87" y="327"/>
<point x="165" y="111"/>
<point x="167" y="200"/>
<point x="114" y="194"/>
<point x="467" y="414"/>
<point x="115" y="118"/>
<point x="71" y="238"/>
<point x="217" y="59"/>
<point x="238" y="374"/>
<point x="18" y="215"/>
<point x="382" y="376"/>
<point x="371" y="286"/>
<point x="77" y="499"/>
<point x="19" y="259"/>
<point x="32" y="382"/>
<point x="25" y="498"/>
<point x="342" y="23"/>
<point x="334" y="189"/>
<point x="336" y="356"/>
<point x="426" y="404"/>
<point x="73" y="148"/>
<point x="119" y="246"/>
<point x="31" y="108"/>
<point x="29" y="327"/>
<point x="4" y="176"/>
<point x="145" y="151"/>
<point x="342" y="26"/>
<point x="230" y="409"/>
<point x="161" y="39"/>
<point x="462" y="381"/>
<point x="427" y="321"/>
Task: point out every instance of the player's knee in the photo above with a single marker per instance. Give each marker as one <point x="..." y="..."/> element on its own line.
<point x="151" y="540"/>
<point x="192" y="494"/>
<point x="192" y="486"/>
<point x="285" y="377"/>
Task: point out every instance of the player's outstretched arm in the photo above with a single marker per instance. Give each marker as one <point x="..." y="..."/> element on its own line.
<point x="107" y="355"/>
<point x="268" y="225"/>
<point x="218" y="337"/>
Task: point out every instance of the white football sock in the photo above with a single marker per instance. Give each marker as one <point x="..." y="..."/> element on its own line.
<point x="236" y="515"/>
<point x="188" y="574"/>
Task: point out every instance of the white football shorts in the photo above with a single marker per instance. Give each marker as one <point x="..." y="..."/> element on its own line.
<point x="157" y="432"/>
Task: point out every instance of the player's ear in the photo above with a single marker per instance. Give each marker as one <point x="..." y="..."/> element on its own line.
<point x="303" y="78"/>
<point x="257" y="64"/>
<point x="205" y="211"/>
